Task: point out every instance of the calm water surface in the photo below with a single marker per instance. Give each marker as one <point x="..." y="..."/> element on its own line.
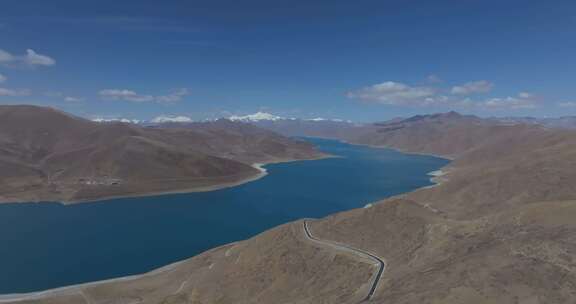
<point x="50" y="245"/>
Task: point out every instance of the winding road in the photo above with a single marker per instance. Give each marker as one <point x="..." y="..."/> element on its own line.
<point x="343" y="247"/>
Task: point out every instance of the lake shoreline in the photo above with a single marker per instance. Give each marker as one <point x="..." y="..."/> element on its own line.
<point x="77" y="288"/>
<point x="258" y="166"/>
<point x="71" y="288"/>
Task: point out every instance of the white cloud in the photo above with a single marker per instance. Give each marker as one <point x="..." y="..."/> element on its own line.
<point x="567" y="104"/>
<point x="170" y="118"/>
<point x="14" y="93"/>
<point x="73" y="99"/>
<point x="108" y="120"/>
<point x="5" y="57"/>
<point x="525" y="95"/>
<point x="3" y="78"/>
<point x="433" y="79"/>
<point x="30" y="59"/>
<point x="473" y="87"/>
<point x="127" y="95"/>
<point x="393" y="93"/>
<point x="400" y="94"/>
<point x="132" y="96"/>
<point x="522" y="101"/>
<point x="53" y="94"/>
<point x="174" y="96"/>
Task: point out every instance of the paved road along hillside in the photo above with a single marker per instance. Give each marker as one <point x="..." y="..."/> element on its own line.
<point x="343" y="247"/>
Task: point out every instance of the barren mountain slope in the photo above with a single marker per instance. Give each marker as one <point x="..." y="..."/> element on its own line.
<point x="313" y="128"/>
<point x="445" y="134"/>
<point x="523" y="255"/>
<point x="242" y="141"/>
<point x="49" y="155"/>
<point x="515" y="166"/>
<point x="278" y="266"/>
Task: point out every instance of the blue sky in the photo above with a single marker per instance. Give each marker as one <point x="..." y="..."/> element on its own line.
<point x="359" y="60"/>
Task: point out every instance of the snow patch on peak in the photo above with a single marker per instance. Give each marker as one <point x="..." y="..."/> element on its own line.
<point x="329" y="119"/>
<point x="124" y="120"/>
<point x="168" y="118"/>
<point x="255" y="117"/>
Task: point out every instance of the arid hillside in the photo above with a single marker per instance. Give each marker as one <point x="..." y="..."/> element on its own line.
<point x="49" y="155"/>
<point x="499" y="228"/>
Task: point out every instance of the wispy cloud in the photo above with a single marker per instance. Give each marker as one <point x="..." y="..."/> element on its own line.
<point x="473" y="87"/>
<point x="567" y="104"/>
<point x="124" y="23"/>
<point x="126" y="95"/>
<point x="393" y="93"/>
<point x="132" y="96"/>
<point x="14" y="92"/>
<point x="3" y="78"/>
<point x="73" y="99"/>
<point x="432" y="78"/>
<point x="30" y="59"/>
<point x="522" y="101"/>
<point x="158" y="27"/>
<point x="401" y="94"/>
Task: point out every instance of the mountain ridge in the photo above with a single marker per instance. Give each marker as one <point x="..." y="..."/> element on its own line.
<point x="46" y="154"/>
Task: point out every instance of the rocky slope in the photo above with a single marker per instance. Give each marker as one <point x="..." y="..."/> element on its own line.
<point x="313" y="128"/>
<point x="49" y="155"/>
<point x="498" y="229"/>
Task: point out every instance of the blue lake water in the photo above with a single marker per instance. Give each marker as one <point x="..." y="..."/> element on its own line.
<point x="50" y="245"/>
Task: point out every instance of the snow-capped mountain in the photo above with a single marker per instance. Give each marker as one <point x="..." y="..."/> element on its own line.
<point x="258" y="116"/>
<point x="124" y="120"/>
<point x="170" y="118"/>
<point x="329" y="119"/>
<point x="263" y="116"/>
<point x="157" y="120"/>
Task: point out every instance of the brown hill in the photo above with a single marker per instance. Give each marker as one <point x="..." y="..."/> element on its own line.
<point x="243" y="141"/>
<point x="313" y="128"/>
<point x="445" y="134"/>
<point x="49" y="155"/>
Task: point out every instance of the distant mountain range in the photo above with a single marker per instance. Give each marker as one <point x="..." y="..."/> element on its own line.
<point x="256" y="117"/>
<point x="565" y="122"/>
<point x="49" y="155"/>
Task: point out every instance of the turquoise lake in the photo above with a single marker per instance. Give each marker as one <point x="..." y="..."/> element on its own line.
<point x="50" y="245"/>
